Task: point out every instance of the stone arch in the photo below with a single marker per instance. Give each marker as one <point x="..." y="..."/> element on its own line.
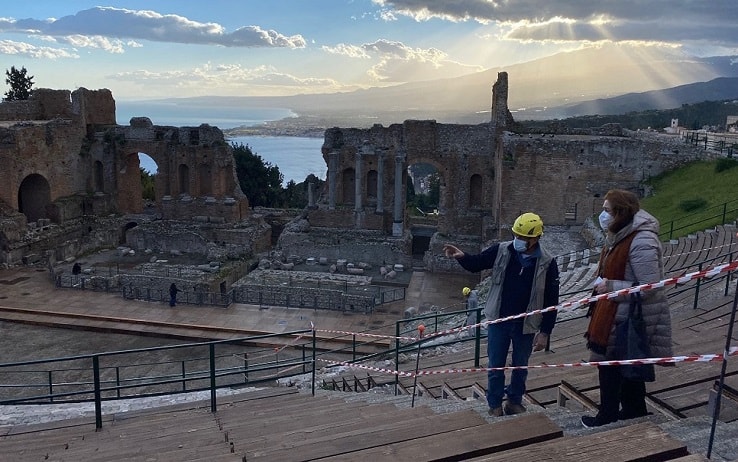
<point x="123" y="238"/>
<point x="34" y="197"/>
<point x="348" y="192"/>
<point x="183" y="177"/>
<point x="151" y="166"/>
<point x="426" y="172"/>
<point x="476" y="190"/>
<point x="99" y="179"/>
<point x="205" y="178"/>
<point x="371" y="184"/>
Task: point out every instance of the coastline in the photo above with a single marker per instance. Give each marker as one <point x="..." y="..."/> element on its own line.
<point x="302" y="125"/>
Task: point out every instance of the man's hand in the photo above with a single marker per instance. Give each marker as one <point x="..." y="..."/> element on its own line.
<point x="451" y="251"/>
<point x="540" y="341"/>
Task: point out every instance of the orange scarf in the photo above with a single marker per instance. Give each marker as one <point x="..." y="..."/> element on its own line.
<point x="611" y="266"/>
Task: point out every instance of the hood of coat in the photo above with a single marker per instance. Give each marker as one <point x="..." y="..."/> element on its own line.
<point x="642" y="221"/>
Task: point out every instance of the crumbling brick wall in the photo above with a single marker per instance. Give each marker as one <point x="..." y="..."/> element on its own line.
<point x="489" y="174"/>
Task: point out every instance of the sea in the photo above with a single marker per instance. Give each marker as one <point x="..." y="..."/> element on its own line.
<point x="296" y="157"/>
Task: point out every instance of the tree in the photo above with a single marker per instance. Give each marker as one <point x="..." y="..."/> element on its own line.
<point x="259" y="180"/>
<point x="147" y="185"/>
<point x="295" y="195"/>
<point x="20" y="84"/>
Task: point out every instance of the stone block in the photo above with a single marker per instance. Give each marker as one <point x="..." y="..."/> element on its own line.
<point x="31" y="258"/>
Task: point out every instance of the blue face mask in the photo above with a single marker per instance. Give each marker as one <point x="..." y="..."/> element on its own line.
<point x="520" y="245"/>
<point x="605" y="220"/>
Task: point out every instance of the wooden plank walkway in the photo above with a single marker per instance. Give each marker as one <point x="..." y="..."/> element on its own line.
<point x="279" y="424"/>
<point x="640" y="442"/>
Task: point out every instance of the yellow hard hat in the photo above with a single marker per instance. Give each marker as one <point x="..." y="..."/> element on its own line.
<point x="466" y="291"/>
<point x="528" y="225"/>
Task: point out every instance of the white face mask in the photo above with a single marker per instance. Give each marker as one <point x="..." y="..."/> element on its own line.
<point x="605" y="220"/>
<point x="520" y="245"/>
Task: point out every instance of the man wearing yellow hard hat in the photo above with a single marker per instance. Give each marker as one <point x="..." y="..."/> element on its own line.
<point x="524" y="278"/>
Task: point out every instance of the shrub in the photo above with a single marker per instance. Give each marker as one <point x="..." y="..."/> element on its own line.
<point x="724" y="164"/>
<point x="690" y="205"/>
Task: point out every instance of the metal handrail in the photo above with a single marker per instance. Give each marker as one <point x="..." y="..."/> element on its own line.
<point x="100" y="388"/>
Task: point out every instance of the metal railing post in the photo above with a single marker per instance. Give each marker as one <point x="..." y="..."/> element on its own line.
<point x="213" y="405"/>
<point x="313" y="373"/>
<point x="246" y="368"/>
<point x="697" y="289"/>
<point x="727" y="277"/>
<point x="721" y="385"/>
<point x="397" y="355"/>
<point x="184" y="376"/>
<point x="98" y="398"/>
<point x="415" y="376"/>
<point x="117" y="381"/>
<point x="478" y="338"/>
<point x="51" y="388"/>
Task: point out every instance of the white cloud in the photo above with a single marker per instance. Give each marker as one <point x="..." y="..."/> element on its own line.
<point x="352" y="51"/>
<point x="292" y="81"/>
<point x="397" y="70"/>
<point x="229" y="78"/>
<point x="564" y="20"/>
<point x="397" y="62"/>
<point x="9" y="47"/>
<point x="150" y="25"/>
<point x="94" y="41"/>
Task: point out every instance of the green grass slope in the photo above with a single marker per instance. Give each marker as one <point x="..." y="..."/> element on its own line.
<point x="694" y="197"/>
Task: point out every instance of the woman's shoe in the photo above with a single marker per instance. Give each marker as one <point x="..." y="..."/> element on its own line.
<point x="589" y="421"/>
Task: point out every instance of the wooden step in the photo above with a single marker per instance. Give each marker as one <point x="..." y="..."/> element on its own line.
<point x="638" y="442"/>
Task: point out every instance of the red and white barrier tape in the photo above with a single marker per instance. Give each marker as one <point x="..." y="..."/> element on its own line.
<point x="367" y="368"/>
<point x="733" y="351"/>
<point x="562" y="307"/>
<point x="571" y="305"/>
<point x="363" y="334"/>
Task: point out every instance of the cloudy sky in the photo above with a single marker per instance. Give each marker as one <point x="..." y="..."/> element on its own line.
<point x="143" y="49"/>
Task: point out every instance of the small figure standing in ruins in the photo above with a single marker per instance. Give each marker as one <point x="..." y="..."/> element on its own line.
<point x="173" y="294"/>
<point x="472" y="302"/>
<point x="76" y="271"/>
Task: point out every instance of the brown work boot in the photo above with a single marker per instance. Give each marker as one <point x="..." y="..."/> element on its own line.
<point x="513" y="408"/>
<point x="496" y="412"/>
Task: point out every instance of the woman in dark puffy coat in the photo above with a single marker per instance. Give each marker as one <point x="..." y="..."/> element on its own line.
<point x="632" y="255"/>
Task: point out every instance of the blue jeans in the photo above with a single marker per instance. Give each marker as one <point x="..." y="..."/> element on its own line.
<point x="499" y="337"/>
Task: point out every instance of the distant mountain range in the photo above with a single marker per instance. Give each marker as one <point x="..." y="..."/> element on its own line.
<point x="720" y="89"/>
<point x="606" y="80"/>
